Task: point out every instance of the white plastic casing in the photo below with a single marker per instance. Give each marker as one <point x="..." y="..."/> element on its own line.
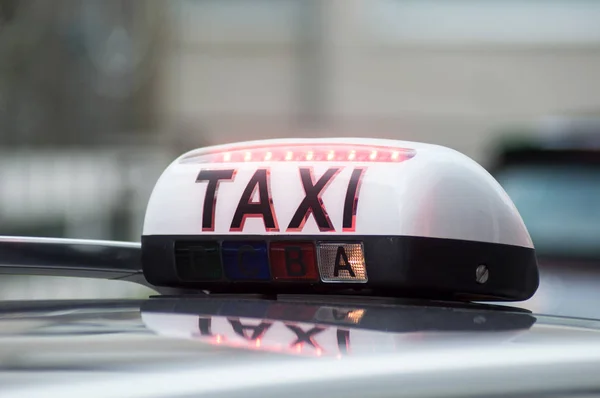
<point x="438" y="193"/>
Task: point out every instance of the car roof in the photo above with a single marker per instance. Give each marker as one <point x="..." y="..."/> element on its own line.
<point x="43" y="325"/>
<point x="88" y="340"/>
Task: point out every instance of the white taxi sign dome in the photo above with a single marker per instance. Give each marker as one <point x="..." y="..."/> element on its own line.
<point x="335" y="214"/>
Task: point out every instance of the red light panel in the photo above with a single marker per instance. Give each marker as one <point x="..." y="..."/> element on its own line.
<point x="293" y="261"/>
<point x="305" y="153"/>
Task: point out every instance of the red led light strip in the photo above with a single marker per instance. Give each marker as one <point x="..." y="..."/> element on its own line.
<point x="257" y="344"/>
<point x="305" y="153"/>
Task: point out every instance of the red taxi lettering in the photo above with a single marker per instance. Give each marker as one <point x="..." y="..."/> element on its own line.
<point x="262" y="207"/>
<point x="297" y="342"/>
<point x="204" y="325"/>
<point x="307" y="336"/>
<point x="343" y="340"/>
<point x="249" y="332"/>
<point x="214" y="177"/>
<point x="312" y="202"/>
<point x="351" y="201"/>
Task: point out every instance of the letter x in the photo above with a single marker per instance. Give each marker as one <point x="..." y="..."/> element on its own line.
<point x="305" y="337"/>
<point x="312" y="203"/>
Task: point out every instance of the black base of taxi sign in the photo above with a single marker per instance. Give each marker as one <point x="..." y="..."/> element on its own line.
<point x="398" y="266"/>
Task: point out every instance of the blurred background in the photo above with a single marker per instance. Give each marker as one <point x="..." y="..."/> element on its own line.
<point x="98" y="96"/>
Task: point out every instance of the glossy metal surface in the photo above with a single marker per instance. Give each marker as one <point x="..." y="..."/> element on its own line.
<point x="160" y="347"/>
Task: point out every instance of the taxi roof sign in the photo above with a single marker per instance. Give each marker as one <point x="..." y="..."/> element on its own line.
<point x="364" y="216"/>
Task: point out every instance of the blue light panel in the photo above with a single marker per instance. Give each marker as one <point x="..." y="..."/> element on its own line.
<point x="246" y="260"/>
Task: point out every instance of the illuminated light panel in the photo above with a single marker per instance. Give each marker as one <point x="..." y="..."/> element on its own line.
<point x="293" y="261"/>
<point x="198" y="261"/>
<point x="342" y="262"/>
<point x="340" y="315"/>
<point x="355" y="316"/>
<point x="305" y="153"/>
<point x="245" y="260"/>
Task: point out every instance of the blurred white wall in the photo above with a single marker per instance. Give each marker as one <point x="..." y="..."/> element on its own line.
<point x="429" y="70"/>
<point x="85" y="194"/>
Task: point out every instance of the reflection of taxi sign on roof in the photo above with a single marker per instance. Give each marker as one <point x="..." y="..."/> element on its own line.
<point x="336" y="215"/>
<point x="311" y="329"/>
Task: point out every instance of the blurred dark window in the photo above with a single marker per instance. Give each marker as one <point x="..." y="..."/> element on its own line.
<point x="560" y="205"/>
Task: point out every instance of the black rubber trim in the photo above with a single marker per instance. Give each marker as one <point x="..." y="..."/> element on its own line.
<point x="71" y="258"/>
<point x="544" y="157"/>
<point x="399" y="266"/>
